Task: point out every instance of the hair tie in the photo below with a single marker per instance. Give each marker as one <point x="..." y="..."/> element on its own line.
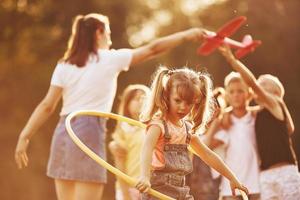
<point x="170" y="72"/>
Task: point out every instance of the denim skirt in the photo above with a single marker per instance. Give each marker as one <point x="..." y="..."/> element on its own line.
<point x="67" y="161"/>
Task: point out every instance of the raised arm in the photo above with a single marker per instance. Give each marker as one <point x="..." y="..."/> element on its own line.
<point x="162" y="45"/>
<point x="213" y="160"/>
<point x="264" y="99"/>
<point x="36" y="120"/>
<point x="289" y="119"/>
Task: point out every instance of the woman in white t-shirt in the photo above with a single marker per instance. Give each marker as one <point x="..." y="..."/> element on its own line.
<point x="86" y="78"/>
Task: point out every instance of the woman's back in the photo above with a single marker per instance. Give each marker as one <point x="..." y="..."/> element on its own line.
<point x="94" y="85"/>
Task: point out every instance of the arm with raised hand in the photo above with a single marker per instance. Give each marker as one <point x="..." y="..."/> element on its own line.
<point x="164" y="44"/>
<point x="270" y="102"/>
<point x="264" y="99"/>
<point x="289" y="119"/>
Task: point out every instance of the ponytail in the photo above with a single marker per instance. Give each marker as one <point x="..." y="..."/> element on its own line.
<point x="83" y="40"/>
<point x="202" y="111"/>
<point x="158" y="99"/>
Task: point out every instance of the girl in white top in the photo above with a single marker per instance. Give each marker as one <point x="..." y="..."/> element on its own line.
<point x="236" y="132"/>
<point x="86" y="78"/>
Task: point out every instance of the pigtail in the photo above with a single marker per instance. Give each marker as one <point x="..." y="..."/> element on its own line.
<point x="204" y="108"/>
<point x="157" y="100"/>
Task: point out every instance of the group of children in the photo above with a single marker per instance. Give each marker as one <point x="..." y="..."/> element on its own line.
<point x="180" y="111"/>
<point x="263" y="160"/>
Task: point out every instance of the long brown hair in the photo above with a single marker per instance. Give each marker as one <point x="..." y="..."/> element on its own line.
<point x="193" y="87"/>
<point x="83" y="40"/>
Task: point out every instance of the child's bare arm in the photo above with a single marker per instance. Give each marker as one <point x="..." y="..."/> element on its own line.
<point x="248" y="77"/>
<point x="213" y="160"/>
<point x="210" y="158"/>
<point x="150" y="141"/>
<point x="264" y="99"/>
<point x="226" y="119"/>
<point x="289" y="120"/>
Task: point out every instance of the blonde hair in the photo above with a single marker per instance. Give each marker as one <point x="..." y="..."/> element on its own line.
<point x="275" y="81"/>
<point x="232" y="77"/>
<point x="193" y="87"/>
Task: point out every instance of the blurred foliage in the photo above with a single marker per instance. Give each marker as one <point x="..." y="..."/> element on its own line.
<point x="34" y="34"/>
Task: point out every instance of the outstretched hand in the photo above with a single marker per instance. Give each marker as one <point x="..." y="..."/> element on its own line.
<point x="226" y="52"/>
<point x="196" y="34"/>
<point x="21" y="157"/>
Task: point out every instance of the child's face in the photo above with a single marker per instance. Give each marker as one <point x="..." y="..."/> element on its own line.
<point x="178" y="108"/>
<point x="135" y="105"/>
<point x="237" y="94"/>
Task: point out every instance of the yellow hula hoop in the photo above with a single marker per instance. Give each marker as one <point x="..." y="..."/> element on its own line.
<point x="131" y="181"/>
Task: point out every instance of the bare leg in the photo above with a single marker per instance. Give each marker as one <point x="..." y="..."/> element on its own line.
<point x="88" y="190"/>
<point x="64" y="189"/>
